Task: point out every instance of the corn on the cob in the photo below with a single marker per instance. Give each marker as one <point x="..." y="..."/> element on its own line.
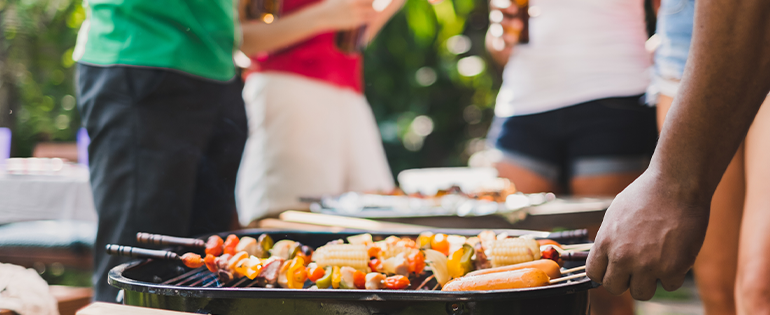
<point x="511" y="251"/>
<point x="341" y="255"/>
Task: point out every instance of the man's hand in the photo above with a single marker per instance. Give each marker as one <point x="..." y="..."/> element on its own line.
<point x="651" y="232"/>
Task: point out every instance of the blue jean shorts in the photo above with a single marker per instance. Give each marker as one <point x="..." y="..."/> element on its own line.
<point x="600" y="137"/>
<point x="674" y="29"/>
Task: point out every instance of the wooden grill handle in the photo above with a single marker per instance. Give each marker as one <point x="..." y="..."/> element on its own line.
<point x="135" y="252"/>
<point x="574" y="256"/>
<point x="165" y="240"/>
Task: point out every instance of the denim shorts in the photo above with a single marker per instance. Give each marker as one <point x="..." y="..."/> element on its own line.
<point x="600" y="137"/>
<point x="674" y="29"/>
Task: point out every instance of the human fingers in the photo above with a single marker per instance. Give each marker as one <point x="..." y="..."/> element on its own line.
<point x="643" y="285"/>
<point x="596" y="265"/>
<point x="617" y="277"/>
<point x="672" y="282"/>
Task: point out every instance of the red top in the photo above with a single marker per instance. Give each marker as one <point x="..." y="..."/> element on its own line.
<point x="316" y="57"/>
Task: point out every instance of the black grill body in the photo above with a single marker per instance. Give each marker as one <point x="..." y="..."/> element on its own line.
<point x="155" y="283"/>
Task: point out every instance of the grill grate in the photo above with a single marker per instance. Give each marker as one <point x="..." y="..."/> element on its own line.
<point x="203" y="278"/>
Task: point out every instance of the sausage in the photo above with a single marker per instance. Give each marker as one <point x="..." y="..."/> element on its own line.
<point x="550" y="267"/>
<point x="516" y="279"/>
<point x="271" y="270"/>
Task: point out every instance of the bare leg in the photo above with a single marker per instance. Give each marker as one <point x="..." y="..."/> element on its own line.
<point x="603" y="302"/>
<point x="753" y="286"/>
<point x="526" y="181"/>
<point x="715" y="267"/>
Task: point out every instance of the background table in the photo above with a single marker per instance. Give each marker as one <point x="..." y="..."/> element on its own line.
<point x="64" y="195"/>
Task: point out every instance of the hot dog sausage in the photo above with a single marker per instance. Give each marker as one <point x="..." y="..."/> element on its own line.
<point x="550" y="267"/>
<point x="516" y="279"/>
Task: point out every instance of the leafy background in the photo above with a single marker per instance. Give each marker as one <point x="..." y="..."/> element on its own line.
<point x="428" y="112"/>
<point x="36" y="71"/>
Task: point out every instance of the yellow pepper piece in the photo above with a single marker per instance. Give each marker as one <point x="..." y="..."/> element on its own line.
<point x="296" y="275"/>
<point x="459" y="262"/>
<point x="254" y="265"/>
<point x="241" y="266"/>
<point x="336" y="277"/>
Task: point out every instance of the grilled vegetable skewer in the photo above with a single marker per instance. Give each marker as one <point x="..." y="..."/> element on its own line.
<point x="191" y="260"/>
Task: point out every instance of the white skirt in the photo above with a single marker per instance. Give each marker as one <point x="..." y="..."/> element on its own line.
<point x="306" y="138"/>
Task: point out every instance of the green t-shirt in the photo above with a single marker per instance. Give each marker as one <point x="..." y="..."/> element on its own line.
<point x="193" y="36"/>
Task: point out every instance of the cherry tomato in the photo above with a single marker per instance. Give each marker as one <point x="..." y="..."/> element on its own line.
<point x="375" y="265"/>
<point x="396" y="282"/>
<point x="192" y="260"/>
<point x="548" y="242"/>
<point x="230" y="243"/>
<point x="416" y="262"/>
<point x="359" y="278"/>
<point x="315" y="273"/>
<point x="440" y="243"/>
<point x="214" y="245"/>
<point x="211" y="262"/>
<point x="374" y="250"/>
<point x="550" y="253"/>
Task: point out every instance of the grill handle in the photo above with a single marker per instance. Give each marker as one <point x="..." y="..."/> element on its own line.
<point x="569" y="236"/>
<point x="135" y="252"/>
<point x="165" y="240"/>
<point x="574" y="256"/>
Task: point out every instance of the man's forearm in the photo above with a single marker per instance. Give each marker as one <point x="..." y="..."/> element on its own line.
<point x="727" y="77"/>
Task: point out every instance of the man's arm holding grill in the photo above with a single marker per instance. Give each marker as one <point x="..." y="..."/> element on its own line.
<point x="655" y="227"/>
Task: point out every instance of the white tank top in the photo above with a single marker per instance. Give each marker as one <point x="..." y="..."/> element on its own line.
<point x="579" y="50"/>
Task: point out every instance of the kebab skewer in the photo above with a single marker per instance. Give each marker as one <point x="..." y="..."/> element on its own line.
<point x="364" y="264"/>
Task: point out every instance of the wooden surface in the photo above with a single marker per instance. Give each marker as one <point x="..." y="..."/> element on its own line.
<point x="71" y="299"/>
<point x="99" y="308"/>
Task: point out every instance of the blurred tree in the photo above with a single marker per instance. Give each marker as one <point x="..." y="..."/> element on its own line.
<point x="36" y="73"/>
<point x="430" y="83"/>
<point x="427" y="77"/>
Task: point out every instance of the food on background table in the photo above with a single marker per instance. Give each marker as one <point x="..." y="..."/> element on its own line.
<point x="487" y="261"/>
<point x="497" y="194"/>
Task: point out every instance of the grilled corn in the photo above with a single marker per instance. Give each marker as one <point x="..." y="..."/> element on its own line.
<point x="511" y="251"/>
<point x="341" y="255"/>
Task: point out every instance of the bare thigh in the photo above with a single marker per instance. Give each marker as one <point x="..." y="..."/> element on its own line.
<point x="526" y="181"/>
<point x="602" y="185"/>
<point x="753" y="289"/>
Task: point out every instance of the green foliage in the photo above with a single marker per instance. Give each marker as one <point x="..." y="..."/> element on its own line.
<point x="38" y="38"/>
<point x="411" y="71"/>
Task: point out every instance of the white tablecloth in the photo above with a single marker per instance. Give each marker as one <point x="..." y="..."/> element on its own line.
<point x="65" y="195"/>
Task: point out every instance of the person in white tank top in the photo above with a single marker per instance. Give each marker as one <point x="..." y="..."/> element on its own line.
<point x="569" y="116"/>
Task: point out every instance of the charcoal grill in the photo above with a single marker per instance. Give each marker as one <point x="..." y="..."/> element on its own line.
<point x="168" y="285"/>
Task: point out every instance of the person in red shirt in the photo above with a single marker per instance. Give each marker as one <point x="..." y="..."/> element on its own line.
<point x="311" y="130"/>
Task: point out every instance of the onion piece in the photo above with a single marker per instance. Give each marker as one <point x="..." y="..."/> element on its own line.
<point x="438" y="263"/>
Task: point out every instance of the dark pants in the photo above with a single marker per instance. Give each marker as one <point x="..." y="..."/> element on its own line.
<point x="165" y="149"/>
